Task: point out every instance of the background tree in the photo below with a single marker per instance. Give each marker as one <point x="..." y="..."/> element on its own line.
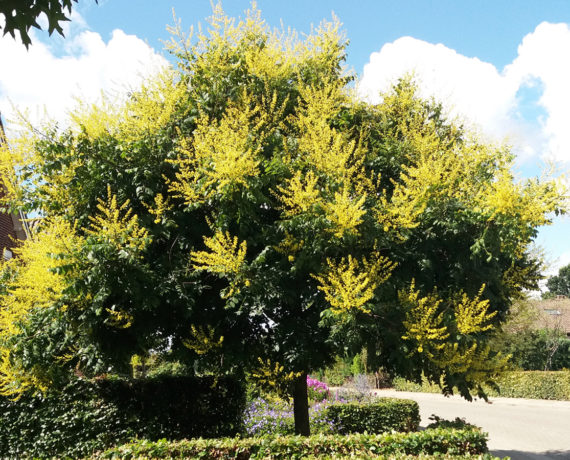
<point x="559" y="284"/>
<point x="247" y="212"/>
<point x="21" y="15"/>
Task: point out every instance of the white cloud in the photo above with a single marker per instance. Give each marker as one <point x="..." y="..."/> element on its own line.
<point x="477" y="91"/>
<point x="470" y="87"/>
<point x="543" y="55"/>
<point x="39" y="79"/>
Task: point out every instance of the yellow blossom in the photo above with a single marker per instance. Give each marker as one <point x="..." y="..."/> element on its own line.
<point x="160" y="208"/>
<point x="35" y="282"/>
<point x="118" y="226"/>
<point x="203" y="340"/>
<point x="226" y="256"/>
<point x="221" y="155"/>
<point x="350" y="284"/>
<point x="471" y="315"/>
<point x="424" y="322"/>
<point x="300" y="194"/>
<point x="119" y="318"/>
<point x="273" y="377"/>
<point x="345" y="212"/>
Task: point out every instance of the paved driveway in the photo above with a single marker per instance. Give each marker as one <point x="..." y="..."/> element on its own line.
<point x="524" y="429"/>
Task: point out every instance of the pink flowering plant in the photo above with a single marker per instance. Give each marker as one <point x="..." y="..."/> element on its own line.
<point x="317" y="390"/>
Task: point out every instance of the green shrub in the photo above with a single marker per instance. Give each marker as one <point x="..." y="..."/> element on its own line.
<point x="535" y="385"/>
<point x="180" y="407"/>
<point x="87" y="416"/>
<point x="402" y="384"/>
<point x="553" y="385"/>
<point x="329" y="417"/>
<point x="537" y="349"/>
<point x="457" y="423"/>
<point x="378" y="416"/>
<point x="452" y="442"/>
<point x="337" y="374"/>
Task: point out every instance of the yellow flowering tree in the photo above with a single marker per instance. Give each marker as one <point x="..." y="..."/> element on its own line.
<point x="246" y="208"/>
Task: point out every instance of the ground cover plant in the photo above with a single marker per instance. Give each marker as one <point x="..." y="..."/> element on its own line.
<point x="246" y="212"/>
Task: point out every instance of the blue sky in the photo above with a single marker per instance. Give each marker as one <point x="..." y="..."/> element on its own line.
<point x="500" y="65"/>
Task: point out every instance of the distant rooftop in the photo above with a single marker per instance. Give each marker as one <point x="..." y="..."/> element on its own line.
<point x="555" y="313"/>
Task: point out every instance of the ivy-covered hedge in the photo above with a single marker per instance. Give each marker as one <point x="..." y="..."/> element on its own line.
<point x="553" y="385"/>
<point x="378" y="416"/>
<point x="88" y="416"/>
<point x="431" y="441"/>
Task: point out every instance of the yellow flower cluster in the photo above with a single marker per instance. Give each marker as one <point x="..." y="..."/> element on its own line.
<point x="226" y="256"/>
<point x="12" y="158"/>
<point x="146" y="111"/>
<point x="118" y="226"/>
<point x="471" y="315"/>
<point x="203" y="340"/>
<point x="35" y="282"/>
<point x="274" y="377"/>
<point x="425" y="328"/>
<point x="350" y="284"/>
<point x="324" y="148"/>
<point x="476" y="362"/>
<point x="300" y="194"/>
<point x="424" y="322"/>
<point x="14" y="381"/>
<point x="221" y="155"/>
<point x="160" y="208"/>
<point x="345" y="212"/>
<point x="119" y="319"/>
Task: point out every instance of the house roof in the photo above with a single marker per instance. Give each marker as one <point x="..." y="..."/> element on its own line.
<point x="554" y="313"/>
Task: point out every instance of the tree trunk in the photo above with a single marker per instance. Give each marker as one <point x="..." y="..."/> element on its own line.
<point x="301" y="406"/>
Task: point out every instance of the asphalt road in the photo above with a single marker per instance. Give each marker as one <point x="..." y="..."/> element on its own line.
<point x="524" y="429"/>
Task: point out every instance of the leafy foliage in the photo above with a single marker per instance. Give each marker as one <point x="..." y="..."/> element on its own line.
<point x="554" y="385"/>
<point x="378" y="416"/>
<point x="560" y="284"/>
<point x="249" y="195"/>
<point x="90" y="416"/>
<point x="395" y="445"/>
<point x="22" y="15"/>
<point x="538" y="350"/>
<point x="457" y="423"/>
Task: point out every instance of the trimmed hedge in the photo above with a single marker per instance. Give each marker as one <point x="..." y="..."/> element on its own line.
<point x="379" y="416"/>
<point x="554" y="385"/>
<point x="431" y="441"/>
<point x="88" y="416"/>
<point x="535" y="385"/>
